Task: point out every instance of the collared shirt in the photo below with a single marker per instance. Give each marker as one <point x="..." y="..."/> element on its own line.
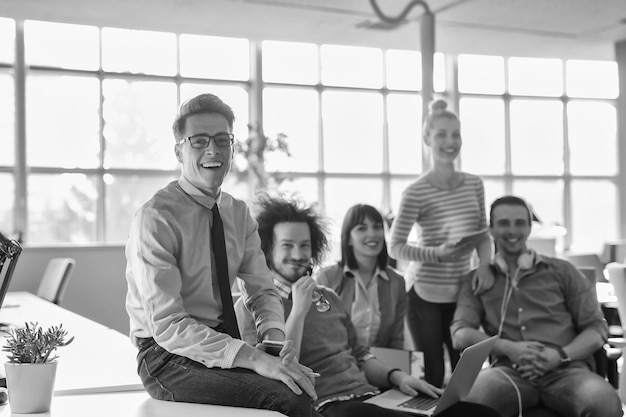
<point x="391" y="301"/>
<point x="551" y="303"/>
<point x="366" y="308"/>
<point x="172" y="296"/>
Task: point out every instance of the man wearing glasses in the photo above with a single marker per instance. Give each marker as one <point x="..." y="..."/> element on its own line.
<point x="186" y="246"/>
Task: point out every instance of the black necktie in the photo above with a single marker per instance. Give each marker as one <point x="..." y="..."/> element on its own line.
<point x="221" y="267"/>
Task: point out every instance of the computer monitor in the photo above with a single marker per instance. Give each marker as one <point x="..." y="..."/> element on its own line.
<point x="10" y="250"/>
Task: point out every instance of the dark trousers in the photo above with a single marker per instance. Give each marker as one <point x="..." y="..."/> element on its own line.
<point x="170" y="377"/>
<point x="429" y="325"/>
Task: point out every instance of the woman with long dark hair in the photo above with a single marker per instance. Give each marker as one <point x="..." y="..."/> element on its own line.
<point x="370" y="289"/>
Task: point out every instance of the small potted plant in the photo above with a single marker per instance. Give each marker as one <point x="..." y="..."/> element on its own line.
<point x="31" y="366"/>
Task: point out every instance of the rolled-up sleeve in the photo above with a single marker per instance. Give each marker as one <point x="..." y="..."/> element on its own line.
<point x="582" y="302"/>
<point x="469" y="310"/>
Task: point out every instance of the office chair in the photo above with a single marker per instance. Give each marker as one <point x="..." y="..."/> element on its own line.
<point x="606" y="357"/>
<point x="589" y="260"/>
<point x="9" y="253"/>
<point x="616" y="274"/>
<point x="614" y="251"/>
<point x="55" y="279"/>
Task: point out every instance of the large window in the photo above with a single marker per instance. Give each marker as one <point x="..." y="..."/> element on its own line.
<point x="539" y="129"/>
<point x="98" y="143"/>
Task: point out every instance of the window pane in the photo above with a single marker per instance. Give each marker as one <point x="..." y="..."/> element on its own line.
<point x="352" y="66"/>
<point x="544" y="197"/>
<point x="138" y="120"/>
<point x="404" y="70"/>
<point x="235" y="97"/>
<point x="494" y="189"/>
<point x="7" y="120"/>
<point x="290" y="62"/>
<point x="483" y="133"/>
<point x="592" y="79"/>
<point x="63" y="121"/>
<point x="61" y="45"/>
<point x="594" y="215"/>
<point x="138" y="51"/>
<point x="61" y="208"/>
<point x="296" y="114"/>
<point x="343" y="193"/>
<point x="7" y="40"/>
<point x="124" y="196"/>
<point x="536" y="77"/>
<point x="238" y="188"/>
<point x="7" y="185"/>
<point x="481" y="74"/>
<point x="304" y="188"/>
<point x="592" y="130"/>
<point x="214" y="57"/>
<point x="397" y="187"/>
<point x="404" y="115"/>
<point x="352" y="131"/>
<point x="536" y="137"/>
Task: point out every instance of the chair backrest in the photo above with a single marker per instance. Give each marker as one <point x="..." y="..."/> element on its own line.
<point x="588" y="272"/>
<point x="590" y="260"/>
<point x="55" y="279"/>
<point x="10" y="251"/>
<point x="615" y="273"/>
<point x="614" y="251"/>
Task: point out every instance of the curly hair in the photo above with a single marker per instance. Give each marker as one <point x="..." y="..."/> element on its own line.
<point x="274" y="210"/>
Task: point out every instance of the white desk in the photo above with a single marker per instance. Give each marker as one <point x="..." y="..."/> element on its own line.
<point x="134" y="404"/>
<point x="97" y="372"/>
<point x="99" y="359"/>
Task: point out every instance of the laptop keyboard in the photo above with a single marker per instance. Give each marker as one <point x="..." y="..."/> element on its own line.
<point x="421" y="402"/>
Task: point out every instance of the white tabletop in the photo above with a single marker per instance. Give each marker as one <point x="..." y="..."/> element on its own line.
<point x="99" y="359"/>
<point x="134" y="404"/>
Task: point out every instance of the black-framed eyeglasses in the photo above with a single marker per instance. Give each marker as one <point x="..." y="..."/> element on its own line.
<point x="201" y="141"/>
<point x="321" y="303"/>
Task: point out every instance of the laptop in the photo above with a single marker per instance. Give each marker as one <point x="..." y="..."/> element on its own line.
<point x="461" y="381"/>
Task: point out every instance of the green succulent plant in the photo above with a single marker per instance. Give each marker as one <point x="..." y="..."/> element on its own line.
<point x="31" y="344"/>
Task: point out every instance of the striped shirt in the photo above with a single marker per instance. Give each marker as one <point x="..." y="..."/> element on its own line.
<point x="440" y="215"/>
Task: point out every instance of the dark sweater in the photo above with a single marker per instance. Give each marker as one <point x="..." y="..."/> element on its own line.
<point x="329" y="346"/>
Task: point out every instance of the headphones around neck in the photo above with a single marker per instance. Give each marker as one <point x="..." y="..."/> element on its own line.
<point x="525" y="261"/>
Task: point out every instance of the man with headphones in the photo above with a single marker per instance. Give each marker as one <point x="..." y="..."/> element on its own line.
<point x="549" y="323"/>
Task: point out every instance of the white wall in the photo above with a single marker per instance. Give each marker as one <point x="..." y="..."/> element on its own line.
<point x="97" y="289"/>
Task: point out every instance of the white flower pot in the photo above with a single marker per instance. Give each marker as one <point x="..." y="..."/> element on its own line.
<point x="30" y="386"/>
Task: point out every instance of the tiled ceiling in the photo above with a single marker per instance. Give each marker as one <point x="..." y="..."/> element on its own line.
<point x="558" y="28"/>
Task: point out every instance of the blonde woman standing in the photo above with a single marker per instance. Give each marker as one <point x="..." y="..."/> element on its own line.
<point x="444" y="204"/>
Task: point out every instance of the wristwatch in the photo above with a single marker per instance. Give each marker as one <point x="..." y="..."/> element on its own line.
<point x="565" y="360"/>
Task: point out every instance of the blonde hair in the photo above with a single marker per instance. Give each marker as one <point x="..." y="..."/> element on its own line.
<point x="436" y="110"/>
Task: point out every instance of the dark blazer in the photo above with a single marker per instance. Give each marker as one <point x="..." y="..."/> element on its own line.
<point x="391" y="298"/>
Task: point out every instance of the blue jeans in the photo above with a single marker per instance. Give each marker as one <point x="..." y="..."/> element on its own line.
<point x="170" y="377"/>
<point x="572" y="391"/>
<point x="429" y="325"/>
